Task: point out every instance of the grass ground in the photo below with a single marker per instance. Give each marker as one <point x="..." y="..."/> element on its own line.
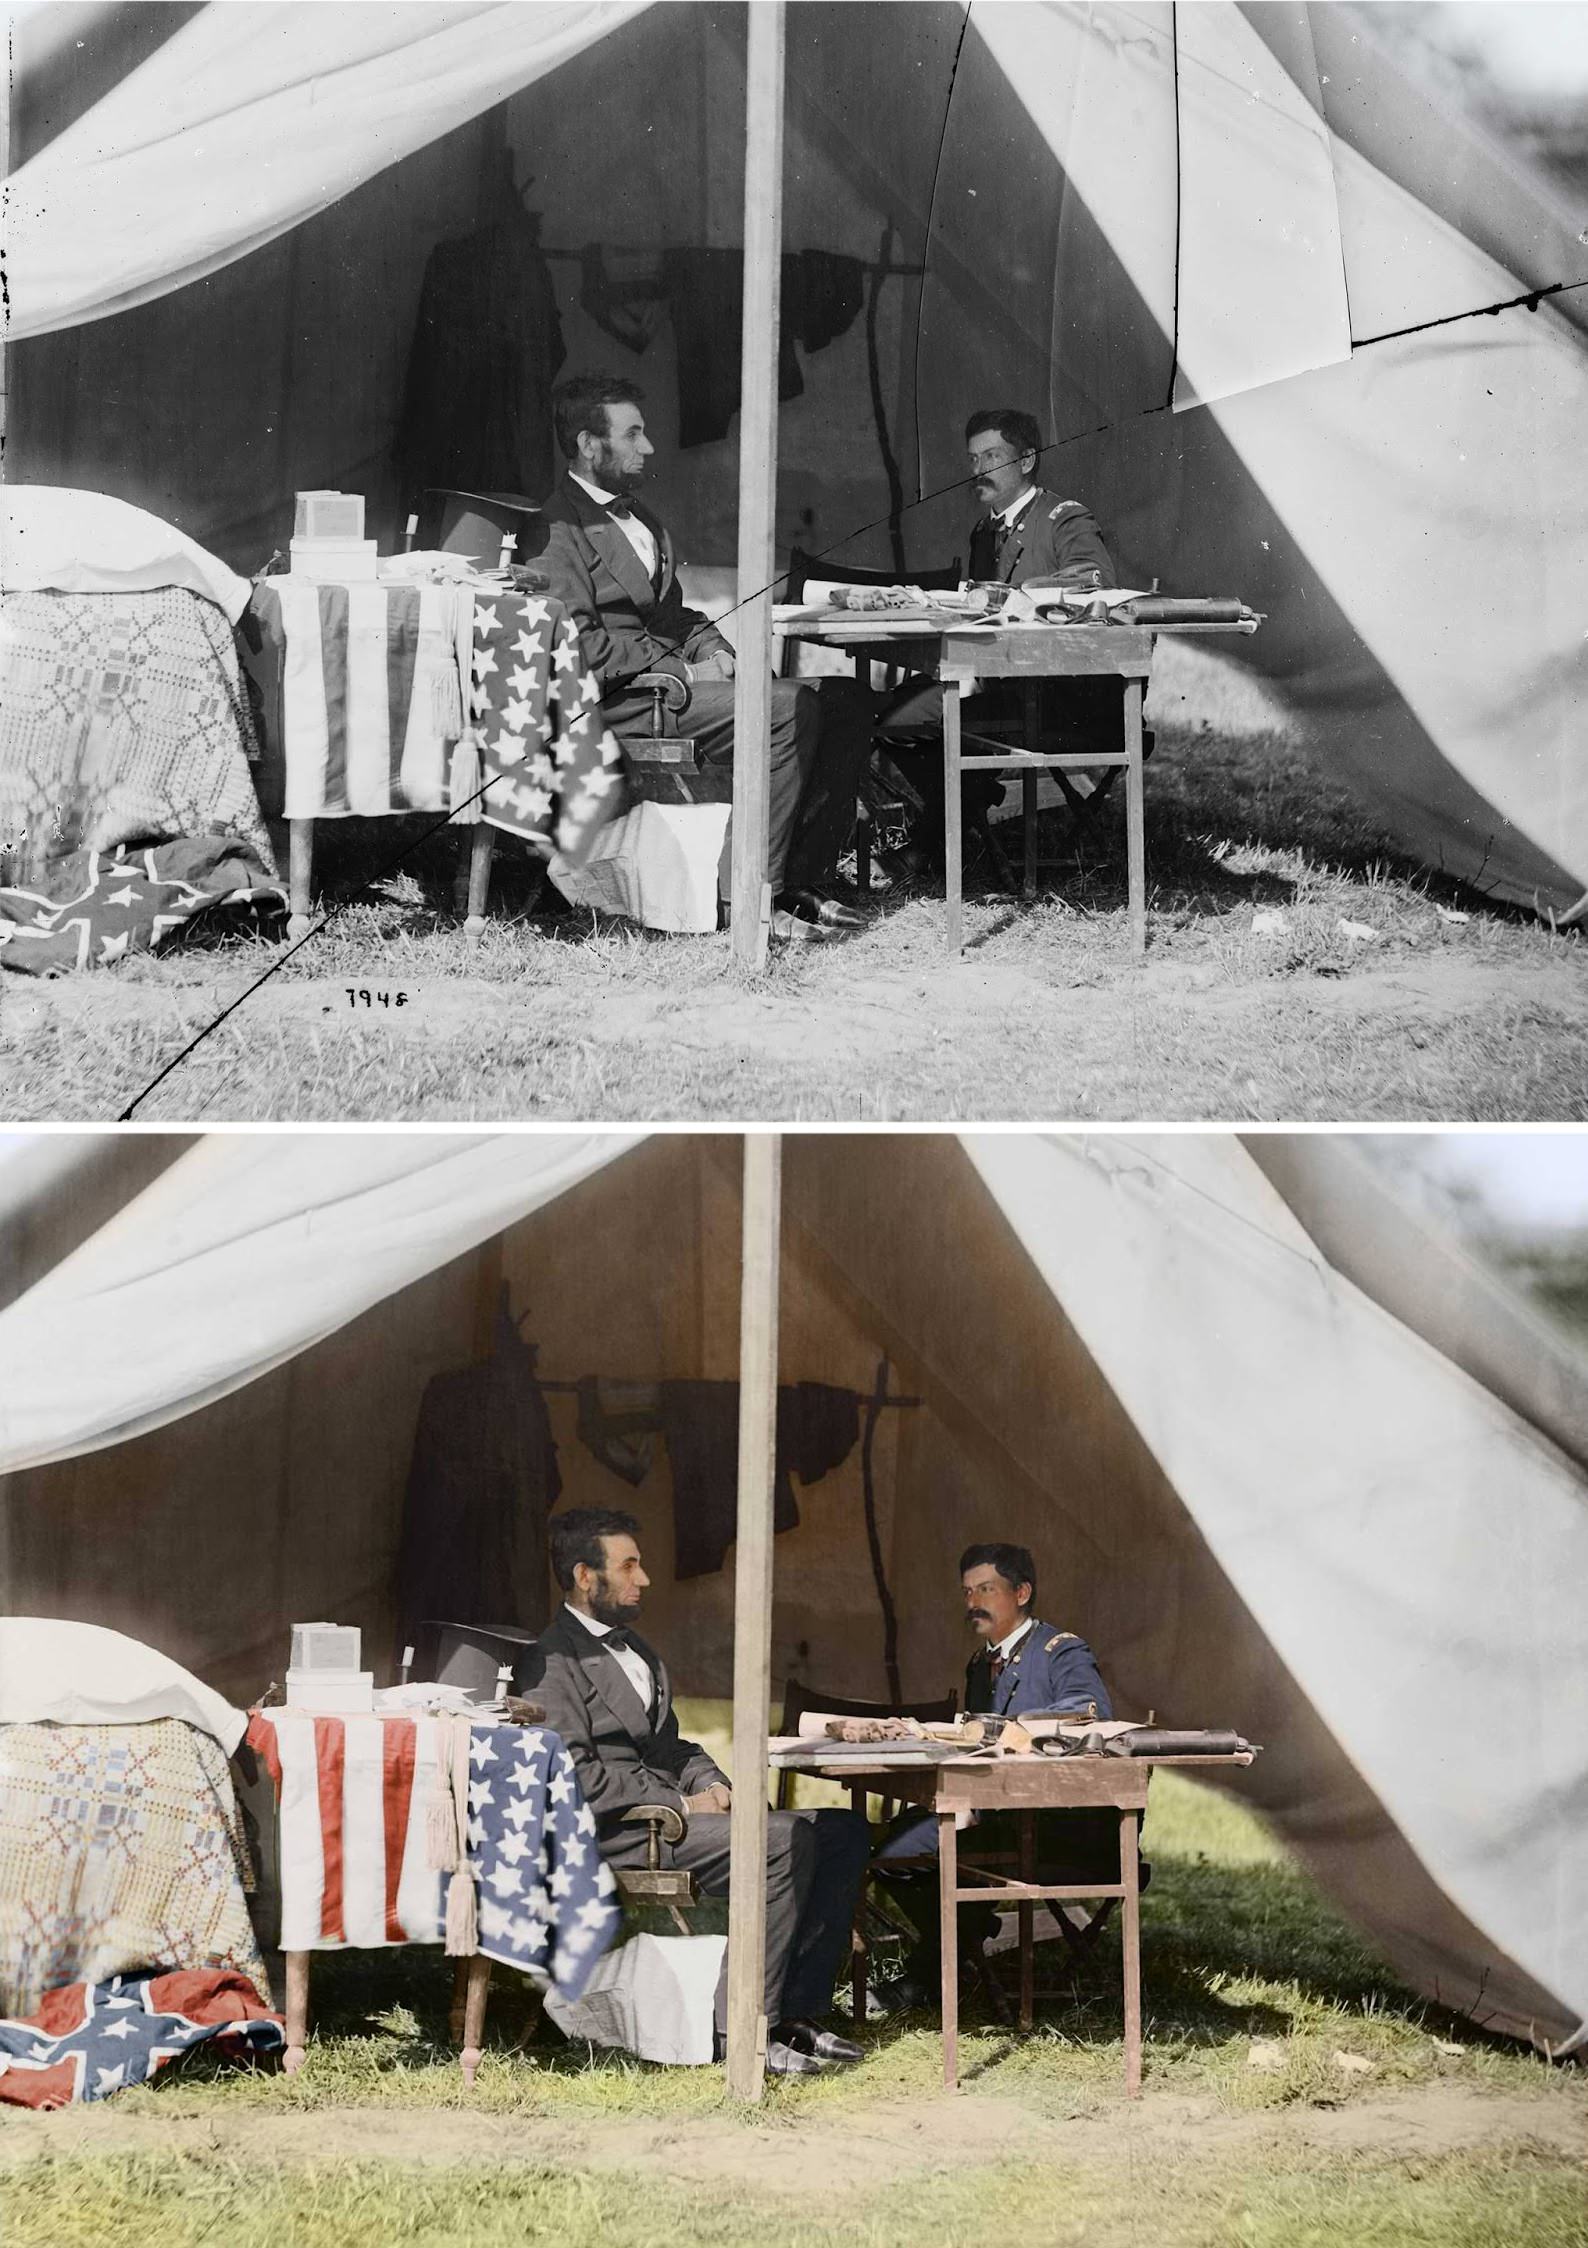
<point x="1379" y="993"/>
<point x="1295" y="2098"/>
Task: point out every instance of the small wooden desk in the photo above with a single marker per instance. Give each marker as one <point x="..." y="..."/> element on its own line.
<point x="1024" y="1785"/>
<point x="961" y="655"/>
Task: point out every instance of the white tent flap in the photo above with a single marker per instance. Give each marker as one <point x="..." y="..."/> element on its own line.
<point x="1415" y="1552"/>
<point x="245" y="1252"/>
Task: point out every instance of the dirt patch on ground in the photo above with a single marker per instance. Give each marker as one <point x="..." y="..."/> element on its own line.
<point x="886" y="2143"/>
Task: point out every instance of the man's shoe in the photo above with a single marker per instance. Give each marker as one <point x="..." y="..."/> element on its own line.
<point x="785" y="2060"/>
<point x="818" y="2043"/>
<point x="820" y="907"/>
<point x="790" y="928"/>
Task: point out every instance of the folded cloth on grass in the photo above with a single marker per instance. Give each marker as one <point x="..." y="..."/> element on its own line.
<point x="95" y="907"/>
<point x="121" y="1849"/>
<point x="92" y="2039"/>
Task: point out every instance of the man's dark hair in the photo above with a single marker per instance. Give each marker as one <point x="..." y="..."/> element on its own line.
<point x="1013" y="1563"/>
<point x="1015" y="428"/>
<point x="576" y="1536"/>
<point x="575" y="401"/>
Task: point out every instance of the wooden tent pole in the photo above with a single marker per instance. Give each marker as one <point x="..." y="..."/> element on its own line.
<point x="752" y="1610"/>
<point x="752" y="695"/>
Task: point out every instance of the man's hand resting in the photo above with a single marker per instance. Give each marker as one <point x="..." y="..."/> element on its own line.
<point x="717" y="1797"/>
<point x="717" y="666"/>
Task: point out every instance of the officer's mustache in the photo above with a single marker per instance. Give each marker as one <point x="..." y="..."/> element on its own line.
<point x="978" y="1615"/>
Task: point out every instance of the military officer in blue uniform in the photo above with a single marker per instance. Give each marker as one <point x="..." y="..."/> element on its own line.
<point x="1025" y="532"/>
<point x="1021" y="1667"/>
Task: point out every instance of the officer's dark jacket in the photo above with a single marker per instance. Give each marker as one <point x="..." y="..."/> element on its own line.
<point x="1052" y="538"/>
<point x="1049" y="1669"/>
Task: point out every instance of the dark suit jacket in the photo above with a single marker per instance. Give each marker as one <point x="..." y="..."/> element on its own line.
<point x="623" y="1756"/>
<point x="1054" y="538"/>
<point x="626" y="625"/>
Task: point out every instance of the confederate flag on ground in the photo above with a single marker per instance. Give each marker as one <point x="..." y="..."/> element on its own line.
<point x="91" y="2039"/>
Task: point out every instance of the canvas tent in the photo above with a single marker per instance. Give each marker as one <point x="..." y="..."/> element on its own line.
<point x="1299" y="329"/>
<point x="1279" y="1478"/>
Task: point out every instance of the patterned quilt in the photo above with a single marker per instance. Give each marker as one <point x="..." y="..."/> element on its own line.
<point x="121" y="1848"/>
<point x="123" y="719"/>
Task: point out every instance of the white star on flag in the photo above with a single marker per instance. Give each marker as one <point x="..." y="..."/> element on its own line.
<point x="567" y="655"/>
<point x="479" y="701"/>
<point x="126" y="898"/>
<point x="535" y="801"/>
<point x="605" y="1881"/>
<point x="585" y="1823"/>
<point x="541" y="770"/>
<point x="476" y="1832"/>
<point x="531" y="1933"/>
<point x="484" y="662"/>
<point x="528" y="646"/>
<point x="577" y="1940"/>
<point x="480" y="1750"/>
<point x="561" y="1789"/>
<point x="588" y="690"/>
<point x="519" y="713"/>
<point x="42" y="2052"/>
<point x="560" y="1882"/>
<point x="484" y="617"/>
<point x="522" y="680"/>
<point x="520" y="1814"/>
<point x="123" y="2028"/>
<point x="495" y="1920"/>
<point x="594" y="1915"/>
<point x="107" y="2080"/>
<point x="509" y="749"/>
<point x="525" y="1774"/>
<point x="112" y="948"/>
<point x="573" y="1852"/>
<point x="512" y="1847"/>
<point x="505" y="1880"/>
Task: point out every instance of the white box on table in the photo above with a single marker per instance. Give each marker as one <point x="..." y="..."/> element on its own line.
<point x="334" y="561"/>
<point x="332" y="1693"/>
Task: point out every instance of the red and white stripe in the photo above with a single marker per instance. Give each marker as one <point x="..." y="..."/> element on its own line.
<point x="353" y="1793"/>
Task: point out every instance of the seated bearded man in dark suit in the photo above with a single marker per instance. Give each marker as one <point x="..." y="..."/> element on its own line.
<point x="611" y="563"/>
<point x="1026" y="532"/>
<point x="607" y="1692"/>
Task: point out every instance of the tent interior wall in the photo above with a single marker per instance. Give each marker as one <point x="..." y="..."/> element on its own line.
<point x="285" y="1499"/>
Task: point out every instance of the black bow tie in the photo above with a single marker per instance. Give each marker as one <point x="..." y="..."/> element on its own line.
<point x="620" y="508"/>
<point x="996" y="1663"/>
<point x="619" y="1637"/>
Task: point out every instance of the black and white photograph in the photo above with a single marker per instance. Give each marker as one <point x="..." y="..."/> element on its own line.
<point x="883" y="562"/>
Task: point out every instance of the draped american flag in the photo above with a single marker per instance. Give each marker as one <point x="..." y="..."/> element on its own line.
<point x="91" y="2039"/>
<point x="353" y="1795"/>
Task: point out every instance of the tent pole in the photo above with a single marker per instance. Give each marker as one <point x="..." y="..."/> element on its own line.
<point x="752" y="693"/>
<point x="752" y="1610"/>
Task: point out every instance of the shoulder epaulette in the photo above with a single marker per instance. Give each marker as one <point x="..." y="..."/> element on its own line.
<point x="1053" y="516"/>
<point x="1057" y="1639"/>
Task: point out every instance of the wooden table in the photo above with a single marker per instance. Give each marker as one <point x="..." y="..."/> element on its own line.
<point x="960" y="656"/>
<point x="1023" y="1785"/>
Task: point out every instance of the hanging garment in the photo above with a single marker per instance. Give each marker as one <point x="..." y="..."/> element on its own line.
<point x="483" y="1479"/>
<point x="487" y="346"/>
<point x="821" y="295"/>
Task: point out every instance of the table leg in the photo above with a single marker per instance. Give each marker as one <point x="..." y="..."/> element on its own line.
<point x="475" y="1995"/>
<point x="1028" y="1920"/>
<point x="1135" y="824"/>
<point x="1131" y="1947"/>
<point x="858" y="1958"/>
<point x="948" y="1936"/>
<point x="1028" y="834"/>
<point x="482" y="844"/>
<point x="297" y="2010"/>
<point x="863" y="852"/>
<point x="953" y="822"/>
<point x="300" y="877"/>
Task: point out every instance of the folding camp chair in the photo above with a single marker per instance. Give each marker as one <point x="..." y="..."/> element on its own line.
<point x="798" y="1700"/>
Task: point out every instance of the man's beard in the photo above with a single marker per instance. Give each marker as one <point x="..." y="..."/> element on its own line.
<point x="606" y="1608"/>
<point x="615" y="479"/>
